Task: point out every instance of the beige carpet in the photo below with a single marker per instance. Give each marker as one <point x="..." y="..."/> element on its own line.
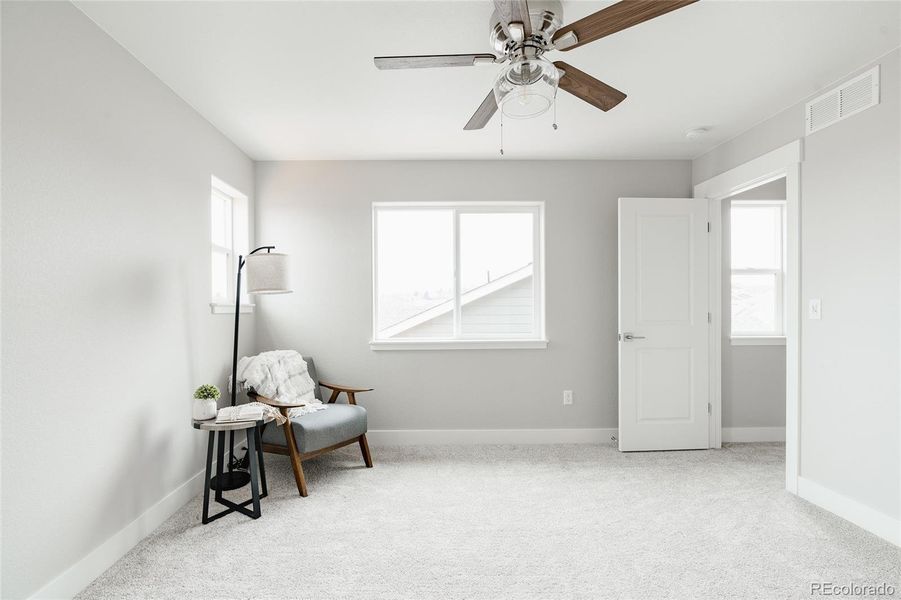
<point x="492" y="522"/>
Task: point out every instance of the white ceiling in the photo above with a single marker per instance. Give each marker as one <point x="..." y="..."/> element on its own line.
<point x="295" y="80"/>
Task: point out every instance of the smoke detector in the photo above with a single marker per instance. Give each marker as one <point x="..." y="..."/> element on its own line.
<point x="696" y="133"/>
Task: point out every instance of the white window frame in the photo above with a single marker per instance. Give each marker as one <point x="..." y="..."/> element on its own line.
<point x="777" y="336"/>
<point x="537" y="340"/>
<point x="239" y="225"/>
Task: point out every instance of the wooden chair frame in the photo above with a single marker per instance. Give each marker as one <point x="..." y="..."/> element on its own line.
<point x="290" y="449"/>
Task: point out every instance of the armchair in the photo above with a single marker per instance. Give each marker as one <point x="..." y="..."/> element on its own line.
<point x="318" y="432"/>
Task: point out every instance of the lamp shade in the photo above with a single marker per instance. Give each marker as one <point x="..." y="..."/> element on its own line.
<point x="267" y="273"/>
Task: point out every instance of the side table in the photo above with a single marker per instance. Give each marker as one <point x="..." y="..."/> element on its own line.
<point x="233" y="479"/>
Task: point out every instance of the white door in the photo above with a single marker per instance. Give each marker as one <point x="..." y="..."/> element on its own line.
<point x="663" y="324"/>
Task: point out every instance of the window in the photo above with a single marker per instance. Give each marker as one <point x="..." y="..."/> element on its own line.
<point x="228" y="233"/>
<point x="463" y="275"/>
<point x="758" y="268"/>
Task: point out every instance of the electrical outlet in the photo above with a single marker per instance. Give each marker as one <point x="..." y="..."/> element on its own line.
<point x="567" y="397"/>
<point x="814" y="309"/>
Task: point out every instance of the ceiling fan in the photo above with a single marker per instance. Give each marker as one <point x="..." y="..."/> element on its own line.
<point x="521" y="32"/>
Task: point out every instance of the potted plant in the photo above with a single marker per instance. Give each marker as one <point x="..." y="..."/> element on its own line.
<point x="205" y="402"/>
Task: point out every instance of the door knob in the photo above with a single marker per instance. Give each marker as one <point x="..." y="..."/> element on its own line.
<point x="628" y="337"/>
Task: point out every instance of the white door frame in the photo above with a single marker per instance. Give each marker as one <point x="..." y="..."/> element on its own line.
<point x="782" y="162"/>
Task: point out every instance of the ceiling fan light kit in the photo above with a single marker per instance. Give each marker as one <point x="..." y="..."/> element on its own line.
<point x="520" y="32"/>
<point x="526" y="87"/>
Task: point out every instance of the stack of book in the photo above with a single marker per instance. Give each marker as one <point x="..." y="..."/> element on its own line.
<point x="244" y="412"/>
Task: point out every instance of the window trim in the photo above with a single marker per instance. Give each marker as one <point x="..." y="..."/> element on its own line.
<point x="218" y="308"/>
<point x="237" y="201"/>
<point x="537" y="341"/>
<point x="437" y="344"/>
<point x="762" y="338"/>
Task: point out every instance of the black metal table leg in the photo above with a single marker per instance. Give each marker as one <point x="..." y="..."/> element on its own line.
<point x="259" y="439"/>
<point x="231" y="451"/>
<point x="220" y="459"/>
<point x="206" y="481"/>
<point x="253" y="465"/>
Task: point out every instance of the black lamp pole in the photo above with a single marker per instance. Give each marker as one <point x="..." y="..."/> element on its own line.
<point x="234" y="386"/>
<point x="241" y="263"/>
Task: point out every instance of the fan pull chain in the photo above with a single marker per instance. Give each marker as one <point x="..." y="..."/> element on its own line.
<point x="502" y="133"/>
<point x="555" y="112"/>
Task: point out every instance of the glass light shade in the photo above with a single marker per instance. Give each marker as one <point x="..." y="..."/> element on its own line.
<point x="267" y="273"/>
<point x="526" y="87"/>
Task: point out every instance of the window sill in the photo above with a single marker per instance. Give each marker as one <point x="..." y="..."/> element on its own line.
<point x="458" y="344"/>
<point x="229" y="309"/>
<point x="758" y="340"/>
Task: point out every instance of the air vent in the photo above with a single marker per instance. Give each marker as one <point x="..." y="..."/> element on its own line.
<point x="848" y="99"/>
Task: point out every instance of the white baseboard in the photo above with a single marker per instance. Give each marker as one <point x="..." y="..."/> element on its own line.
<point x="753" y="434"/>
<point x="78" y="576"/>
<point x="433" y="437"/>
<point x="874" y="521"/>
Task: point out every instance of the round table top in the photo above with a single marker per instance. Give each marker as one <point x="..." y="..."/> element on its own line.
<point x="212" y="425"/>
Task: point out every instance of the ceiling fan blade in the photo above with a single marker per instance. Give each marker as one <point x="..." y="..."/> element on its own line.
<point x="434" y="60"/>
<point x="514" y="11"/>
<point x="483" y="113"/>
<point x="621" y="15"/>
<point x="584" y="86"/>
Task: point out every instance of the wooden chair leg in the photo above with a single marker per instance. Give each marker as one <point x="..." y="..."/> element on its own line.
<point x="364" y="448"/>
<point x="299" y="479"/>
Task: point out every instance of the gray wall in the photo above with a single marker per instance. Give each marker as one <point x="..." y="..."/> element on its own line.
<point x="320" y="213"/>
<point x="851" y="259"/>
<point x="753" y="376"/>
<point x="105" y="288"/>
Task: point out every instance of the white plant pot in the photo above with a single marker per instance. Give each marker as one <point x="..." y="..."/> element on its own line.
<point x="204" y="409"/>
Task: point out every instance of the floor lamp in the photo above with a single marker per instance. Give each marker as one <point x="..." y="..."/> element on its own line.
<point x="267" y="273"/>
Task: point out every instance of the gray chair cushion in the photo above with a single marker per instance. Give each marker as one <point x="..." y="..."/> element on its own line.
<point x="321" y="429"/>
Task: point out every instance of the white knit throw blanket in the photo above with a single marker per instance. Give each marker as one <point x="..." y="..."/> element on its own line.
<point x="280" y="375"/>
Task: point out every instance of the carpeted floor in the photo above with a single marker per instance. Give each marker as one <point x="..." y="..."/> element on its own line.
<point x="493" y="522"/>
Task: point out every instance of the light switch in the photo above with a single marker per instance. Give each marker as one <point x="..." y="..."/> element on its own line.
<point x="814" y="309"/>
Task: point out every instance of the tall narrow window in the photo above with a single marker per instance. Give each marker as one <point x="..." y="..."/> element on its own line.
<point x="758" y="268"/>
<point x="229" y="239"/>
<point x="458" y="275"/>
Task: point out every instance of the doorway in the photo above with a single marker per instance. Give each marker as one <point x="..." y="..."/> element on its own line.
<point x="753" y="314"/>
<point x="782" y="163"/>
